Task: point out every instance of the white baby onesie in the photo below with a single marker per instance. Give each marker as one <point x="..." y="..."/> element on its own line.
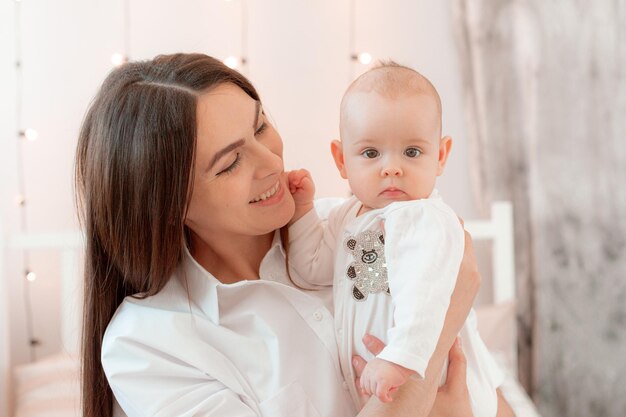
<point x="393" y="271"/>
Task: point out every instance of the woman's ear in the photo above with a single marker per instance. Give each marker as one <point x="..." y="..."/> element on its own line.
<point x="336" y="148"/>
<point x="445" y="145"/>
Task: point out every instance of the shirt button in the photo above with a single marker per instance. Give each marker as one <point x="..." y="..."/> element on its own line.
<point x="317" y="316"/>
<point x="345" y="385"/>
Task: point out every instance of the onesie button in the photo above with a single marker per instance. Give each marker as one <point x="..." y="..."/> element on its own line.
<point x="345" y="385"/>
<point x="318" y="316"/>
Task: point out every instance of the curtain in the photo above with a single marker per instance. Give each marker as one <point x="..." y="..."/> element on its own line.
<point x="545" y="91"/>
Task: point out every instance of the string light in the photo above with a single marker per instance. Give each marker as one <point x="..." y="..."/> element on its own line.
<point x="364" y="58"/>
<point x="118" y="59"/>
<point x="234" y="62"/>
<point x="239" y="62"/>
<point x="29" y="134"/>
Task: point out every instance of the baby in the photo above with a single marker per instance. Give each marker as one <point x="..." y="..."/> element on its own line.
<point x="394" y="249"/>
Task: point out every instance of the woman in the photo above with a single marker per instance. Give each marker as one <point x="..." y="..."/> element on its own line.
<point x="181" y="187"/>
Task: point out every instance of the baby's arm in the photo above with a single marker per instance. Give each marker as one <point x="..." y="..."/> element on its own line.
<point x="424" y="244"/>
<point x="302" y="189"/>
<point x="311" y="239"/>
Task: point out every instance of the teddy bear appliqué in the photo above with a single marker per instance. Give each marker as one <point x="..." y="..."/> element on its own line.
<point x="369" y="269"/>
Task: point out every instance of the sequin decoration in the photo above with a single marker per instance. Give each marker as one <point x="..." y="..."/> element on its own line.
<point x="369" y="269"/>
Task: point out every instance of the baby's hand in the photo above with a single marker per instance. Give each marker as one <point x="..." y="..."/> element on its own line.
<point x="302" y="189"/>
<point x="381" y="378"/>
<point x="301" y="186"/>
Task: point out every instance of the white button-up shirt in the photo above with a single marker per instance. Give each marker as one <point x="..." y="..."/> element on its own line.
<point x="203" y="348"/>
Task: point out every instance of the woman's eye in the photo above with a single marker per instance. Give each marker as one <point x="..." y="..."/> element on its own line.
<point x="412" y="152"/>
<point x="232" y="166"/>
<point x="261" y="129"/>
<point x="370" y="153"/>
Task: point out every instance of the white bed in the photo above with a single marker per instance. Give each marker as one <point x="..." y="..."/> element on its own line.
<point x="49" y="387"/>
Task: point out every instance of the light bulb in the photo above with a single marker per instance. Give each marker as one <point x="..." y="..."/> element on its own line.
<point x="118" y="59"/>
<point x="232" y="62"/>
<point x="29" y="134"/>
<point x="365" y="58"/>
<point x="31" y="276"/>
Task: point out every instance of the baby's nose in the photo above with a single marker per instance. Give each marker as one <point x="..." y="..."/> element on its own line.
<point x="391" y="171"/>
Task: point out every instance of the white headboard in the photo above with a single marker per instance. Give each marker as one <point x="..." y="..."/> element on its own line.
<point x="499" y="229"/>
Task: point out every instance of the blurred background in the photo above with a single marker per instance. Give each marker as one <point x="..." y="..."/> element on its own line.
<point x="534" y="97"/>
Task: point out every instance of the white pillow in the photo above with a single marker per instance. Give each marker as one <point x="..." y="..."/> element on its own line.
<point x="497" y="326"/>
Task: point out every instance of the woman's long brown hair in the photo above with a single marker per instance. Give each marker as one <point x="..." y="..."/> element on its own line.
<point x="133" y="180"/>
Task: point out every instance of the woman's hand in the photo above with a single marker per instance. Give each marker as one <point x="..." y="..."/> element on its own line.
<point x="452" y="399"/>
<point x="468" y="271"/>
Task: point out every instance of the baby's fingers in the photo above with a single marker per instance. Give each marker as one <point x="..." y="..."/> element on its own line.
<point x="359" y="365"/>
<point x="368" y="384"/>
<point x="294" y="177"/>
<point x="382" y="392"/>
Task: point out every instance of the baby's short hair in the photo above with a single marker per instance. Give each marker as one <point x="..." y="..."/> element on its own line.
<point x="391" y="80"/>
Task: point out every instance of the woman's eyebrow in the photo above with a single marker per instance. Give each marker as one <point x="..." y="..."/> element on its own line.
<point x="224" y="151"/>
<point x="257" y="111"/>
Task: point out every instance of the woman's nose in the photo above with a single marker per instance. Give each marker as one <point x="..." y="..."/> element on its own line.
<point x="267" y="162"/>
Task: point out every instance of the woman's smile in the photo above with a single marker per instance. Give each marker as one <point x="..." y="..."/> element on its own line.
<point x="267" y="194"/>
<point x="270" y="197"/>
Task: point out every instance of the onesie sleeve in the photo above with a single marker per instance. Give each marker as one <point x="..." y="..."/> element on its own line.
<point x="311" y="250"/>
<point x="424" y="244"/>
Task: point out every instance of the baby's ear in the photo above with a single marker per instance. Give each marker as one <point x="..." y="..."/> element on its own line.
<point x="445" y="146"/>
<point x="336" y="148"/>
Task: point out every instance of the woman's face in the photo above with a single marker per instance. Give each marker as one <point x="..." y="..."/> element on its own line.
<point x="240" y="188"/>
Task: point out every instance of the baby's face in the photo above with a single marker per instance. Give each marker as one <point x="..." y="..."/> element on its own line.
<point x="392" y="148"/>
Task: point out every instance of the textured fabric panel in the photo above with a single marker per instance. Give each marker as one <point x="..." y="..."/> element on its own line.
<point x="546" y="95"/>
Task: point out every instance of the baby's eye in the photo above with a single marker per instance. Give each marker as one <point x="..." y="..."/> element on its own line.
<point x="370" y="153"/>
<point x="412" y="152"/>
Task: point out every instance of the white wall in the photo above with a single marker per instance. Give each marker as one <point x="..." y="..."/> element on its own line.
<point x="298" y="54"/>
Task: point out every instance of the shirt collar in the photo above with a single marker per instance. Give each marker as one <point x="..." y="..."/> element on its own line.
<point x="203" y="287"/>
<point x="277" y="243"/>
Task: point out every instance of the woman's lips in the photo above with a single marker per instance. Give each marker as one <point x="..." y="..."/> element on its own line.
<point x="277" y="197"/>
